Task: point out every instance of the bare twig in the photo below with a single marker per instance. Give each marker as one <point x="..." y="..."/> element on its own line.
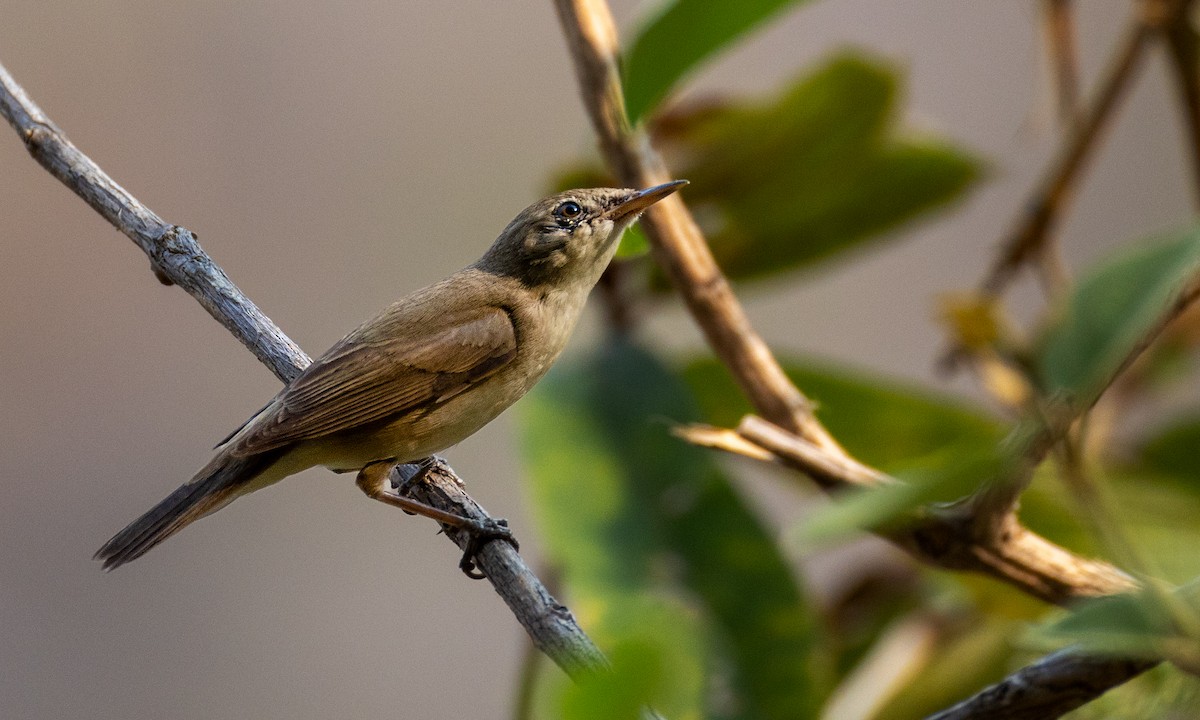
<point x="1060" y="50"/>
<point x="1185" y="62"/>
<point x="947" y="537"/>
<point x="177" y="258"/>
<point x="1053" y="193"/>
<point x="997" y="500"/>
<point x="1048" y="688"/>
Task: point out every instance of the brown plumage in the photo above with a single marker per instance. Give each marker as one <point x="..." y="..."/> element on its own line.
<point x="424" y="374"/>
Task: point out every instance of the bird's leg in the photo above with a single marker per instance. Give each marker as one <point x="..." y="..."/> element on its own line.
<point x="373" y="481"/>
<point x="410" y="474"/>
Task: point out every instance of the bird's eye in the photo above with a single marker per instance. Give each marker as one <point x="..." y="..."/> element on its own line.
<point x="568" y="210"/>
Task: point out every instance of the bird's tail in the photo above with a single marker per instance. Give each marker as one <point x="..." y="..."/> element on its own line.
<point x="214" y="487"/>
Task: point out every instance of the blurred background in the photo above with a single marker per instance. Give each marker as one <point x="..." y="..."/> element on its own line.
<point x="332" y="156"/>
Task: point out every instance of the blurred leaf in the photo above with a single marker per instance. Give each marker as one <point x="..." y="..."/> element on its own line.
<point x="624" y="507"/>
<point x="784" y="183"/>
<point x="657" y="662"/>
<point x="1163" y="693"/>
<point x="881" y="422"/>
<point x="633" y="244"/>
<point x="1111" y="311"/>
<point x="1175" y="450"/>
<point x="958" y="665"/>
<point x="946" y="477"/>
<point x="974" y="319"/>
<point x="1157" y="512"/>
<point x="1122" y="623"/>
<point x="1146" y="623"/>
<point x="680" y="37"/>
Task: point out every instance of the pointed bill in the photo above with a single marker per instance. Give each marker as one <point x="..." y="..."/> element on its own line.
<point x="643" y="199"/>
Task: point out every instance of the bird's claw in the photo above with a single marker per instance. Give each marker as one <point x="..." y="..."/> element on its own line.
<point x="409" y="474"/>
<point x="481" y="533"/>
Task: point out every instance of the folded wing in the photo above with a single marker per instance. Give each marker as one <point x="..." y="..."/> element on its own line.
<point x="402" y="366"/>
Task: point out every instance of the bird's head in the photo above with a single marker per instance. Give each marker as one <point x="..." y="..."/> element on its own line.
<point x="570" y="236"/>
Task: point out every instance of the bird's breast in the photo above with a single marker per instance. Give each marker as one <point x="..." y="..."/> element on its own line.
<point x="542" y="329"/>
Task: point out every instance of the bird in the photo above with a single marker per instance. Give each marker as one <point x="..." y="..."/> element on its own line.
<point x="425" y="373"/>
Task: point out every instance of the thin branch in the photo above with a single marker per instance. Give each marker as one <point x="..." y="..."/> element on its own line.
<point x="549" y="623"/>
<point x="175" y="256"/>
<point x="1059" y="30"/>
<point x="1185" y="62"/>
<point x="947" y="537"/>
<point x="1049" y="688"/>
<point x="1053" y="193"/>
<point x="177" y="259"/>
<point x="995" y="501"/>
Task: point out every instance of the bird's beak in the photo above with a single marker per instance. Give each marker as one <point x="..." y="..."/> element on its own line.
<point x="643" y="199"/>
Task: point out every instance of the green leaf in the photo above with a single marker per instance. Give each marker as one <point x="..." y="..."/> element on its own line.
<point x="1174" y="450"/>
<point x="633" y="244"/>
<point x="657" y="655"/>
<point x="948" y="476"/>
<point x="882" y="422"/>
<point x="1149" y="623"/>
<point x="624" y="507"/>
<point x="789" y="181"/>
<point x="1163" y="692"/>
<point x="1157" y="513"/>
<point x="684" y="33"/>
<point x="1113" y="309"/>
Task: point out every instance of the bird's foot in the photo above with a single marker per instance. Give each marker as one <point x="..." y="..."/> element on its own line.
<point x="373" y="481"/>
<point x="408" y="475"/>
<point x="482" y="532"/>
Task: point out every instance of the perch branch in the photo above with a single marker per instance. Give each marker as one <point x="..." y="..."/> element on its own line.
<point x="175" y="255"/>
<point x="177" y="258"/>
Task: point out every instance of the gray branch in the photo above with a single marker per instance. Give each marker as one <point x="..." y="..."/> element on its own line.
<point x="1049" y="688"/>
<point x="177" y="258"/>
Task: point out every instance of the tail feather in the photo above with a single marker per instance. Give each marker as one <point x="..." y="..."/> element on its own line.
<point x="212" y="488"/>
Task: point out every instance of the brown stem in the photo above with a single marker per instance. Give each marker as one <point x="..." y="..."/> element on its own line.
<point x="993" y="502"/>
<point x="950" y="537"/>
<point x="1059" y="30"/>
<point x="1184" y="58"/>
<point x="1040" y="216"/>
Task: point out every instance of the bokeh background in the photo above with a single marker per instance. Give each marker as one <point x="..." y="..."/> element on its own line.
<point x="331" y="156"/>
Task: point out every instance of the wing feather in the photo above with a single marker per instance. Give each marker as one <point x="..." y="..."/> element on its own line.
<point x="378" y="372"/>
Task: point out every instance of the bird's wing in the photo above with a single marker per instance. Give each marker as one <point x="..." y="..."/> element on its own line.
<point x="362" y="379"/>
